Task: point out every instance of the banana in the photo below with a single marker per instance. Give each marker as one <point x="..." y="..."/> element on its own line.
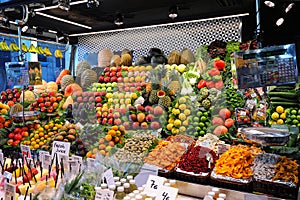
<point x="14" y="47"/>
<point x="58" y="53"/>
<point x="24" y="48"/>
<point x="40" y="50"/>
<point x="47" y="51"/>
<point x="4" y="46"/>
<point x="32" y="49"/>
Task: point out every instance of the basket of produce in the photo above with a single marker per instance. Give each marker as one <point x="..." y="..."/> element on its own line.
<point x="276" y="175"/>
<point x="165" y="156"/>
<point x="196" y="165"/>
<point x="26" y="116"/>
<point x="265" y="136"/>
<point x="233" y="169"/>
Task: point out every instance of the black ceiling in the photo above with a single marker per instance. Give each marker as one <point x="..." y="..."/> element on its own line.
<point x="139" y="13"/>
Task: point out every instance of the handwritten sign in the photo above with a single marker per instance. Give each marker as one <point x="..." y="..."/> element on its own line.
<point x="144" y="174"/>
<point x="60" y="147"/>
<point x="65" y="159"/>
<point x="46" y="161"/>
<point x="154" y="184"/>
<point x="108" y="175"/>
<point x="103" y="194"/>
<point x="167" y="193"/>
<point x="25" y="151"/>
<point x="9" y="191"/>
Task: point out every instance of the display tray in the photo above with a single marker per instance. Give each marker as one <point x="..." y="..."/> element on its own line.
<point x="275" y="189"/>
<point x="28" y="116"/>
<point x="231" y="183"/>
<point x="200" y="179"/>
<point x="166" y="173"/>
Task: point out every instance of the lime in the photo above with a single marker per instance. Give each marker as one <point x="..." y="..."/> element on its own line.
<point x="199" y="113"/>
<point x="201" y="124"/>
<point x="299" y="112"/>
<point x="298" y="117"/>
<point x="207" y="124"/>
<point x="198" y="128"/>
<point x="294" y="112"/>
<point x="203" y="119"/>
<point x="295" y="121"/>
<point x="196" y="134"/>
<point x="298" y="125"/>
<point x="293" y="117"/>
<point x="195" y="124"/>
<point x="196" y="119"/>
<point x="205" y="114"/>
<point x="204" y="129"/>
<point x="202" y="132"/>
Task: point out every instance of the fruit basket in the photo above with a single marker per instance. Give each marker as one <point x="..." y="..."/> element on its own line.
<point x="28" y="116"/>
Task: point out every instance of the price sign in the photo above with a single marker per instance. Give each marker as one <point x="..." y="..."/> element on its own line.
<point x="108" y="175"/>
<point x="9" y="191"/>
<point x="77" y="158"/>
<point x="46" y="161"/>
<point x="167" y="193"/>
<point x="222" y="148"/>
<point x="104" y="194"/>
<point x="25" y="151"/>
<point x="60" y="147"/>
<point x="8" y="175"/>
<point x="154" y="184"/>
<point x="144" y="174"/>
<point x="1" y="158"/>
<point x="63" y="158"/>
<point x="42" y="153"/>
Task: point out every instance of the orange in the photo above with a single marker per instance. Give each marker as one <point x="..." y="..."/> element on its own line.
<point x="108" y="148"/>
<point x="36" y="146"/>
<point x="95" y="150"/>
<point x="25" y="133"/>
<point x="46" y="126"/>
<point x="112" y="132"/>
<point x="46" y="136"/>
<point x="102" y="146"/>
<point x="115" y="128"/>
<point x="101" y="140"/>
<point x="117" y="139"/>
<point x="102" y="152"/>
<point x="93" y="156"/>
<point x="41" y="129"/>
<point x="37" y="140"/>
<point x="89" y="154"/>
<point x="41" y="143"/>
<point x="41" y="134"/>
<point x="111" y="143"/>
<point x="108" y="137"/>
<point x="42" y="138"/>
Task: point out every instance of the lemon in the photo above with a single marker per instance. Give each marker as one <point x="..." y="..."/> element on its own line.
<point x="182" y="106"/>
<point x="275" y="116"/>
<point x="175" y="111"/>
<point x="177" y="122"/>
<point x="187" y="112"/>
<point x="283" y="115"/>
<point x="185" y="122"/>
<point x="133" y="95"/>
<point x="182" y="100"/>
<point x="279" y="109"/>
<point x="171" y="121"/>
<point x="182" y="116"/>
<point x="109" y="95"/>
<point x="280" y="121"/>
<point x="169" y="126"/>
<point x="175" y="131"/>
<point x="182" y="129"/>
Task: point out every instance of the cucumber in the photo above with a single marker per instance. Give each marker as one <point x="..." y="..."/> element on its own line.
<point x="289" y="95"/>
<point x="285" y="104"/>
<point x="281" y="99"/>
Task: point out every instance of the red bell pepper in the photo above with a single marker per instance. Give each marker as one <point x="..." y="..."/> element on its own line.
<point x="219" y="64"/>
<point x="201" y="84"/>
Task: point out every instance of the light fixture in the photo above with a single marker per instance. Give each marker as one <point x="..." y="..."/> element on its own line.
<point x="63" y="20"/>
<point x="64" y="4"/>
<point x="25" y="28"/>
<point x="279" y="21"/>
<point x="289" y="7"/>
<point x="119" y="20"/>
<point x="3" y="18"/>
<point x="270" y="4"/>
<point x="39" y="30"/>
<point x="92" y="3"/>
<point x="173" y="12"/>
<point x="62" y="37"/>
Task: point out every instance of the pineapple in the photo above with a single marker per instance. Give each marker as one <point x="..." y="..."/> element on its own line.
<point x="175" y="83"/>
<point x="153" y="98"/>
<point x="164" y="98"/>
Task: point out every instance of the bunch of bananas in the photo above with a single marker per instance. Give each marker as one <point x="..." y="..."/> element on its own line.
<point x="4" y="46"/>
<point x="14" y="47"/>
<point x="58" y="53"/>
<point x="40" y="50"/>
<point x="24" y="48"/>
<point x="47" y="51"/>
<point x="32" y="49"/>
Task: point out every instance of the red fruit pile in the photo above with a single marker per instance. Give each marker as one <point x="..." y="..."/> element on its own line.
<point x="222" y="122"/>
<point x="47" y="102"/>
<point x="111" y="74"/>
<point x="17" y="135"/>
<point x="5" y="122"/>
<point x="11" y="96"/>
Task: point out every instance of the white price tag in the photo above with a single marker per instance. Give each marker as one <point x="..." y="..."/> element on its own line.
<point x="154" y="184"/>
<point x="25" y="151"/>
<point x="63" y="158"/>
<point x="10" y="191"/>
<point x="104" y="194"/>
<point x="8" y="175"/>
<point x="46" y="161"/>
<point x="109" y="176"/>
<point x="144" y="173"/>
<point x="61" y="147"/>
<point x="77" y="158"/>
<point x="167" y="193"/>
<point x="42" y="153"/>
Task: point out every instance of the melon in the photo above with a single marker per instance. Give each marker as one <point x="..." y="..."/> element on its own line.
<point x="115" y="60"/>
<point x="81" y="66"/>
<point x="88" y="77"/>
<point x="68" y="101"/>
<point x="187" y="56"/>
<point x="126" y="59"/>
<point x="66" y="80"/>
<point x="104" y="57"/>
<point x="51" y="87"/>
<point x="174" y="58"/>
<point x="72" y="88"/>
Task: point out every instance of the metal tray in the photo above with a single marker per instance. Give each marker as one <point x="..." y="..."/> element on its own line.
<point x="265" y="136"/>
<point x="28" y="116"/>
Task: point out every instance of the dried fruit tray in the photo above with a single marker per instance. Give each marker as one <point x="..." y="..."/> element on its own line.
<point x="276" y="189"/>
<point x="200" y="179"/>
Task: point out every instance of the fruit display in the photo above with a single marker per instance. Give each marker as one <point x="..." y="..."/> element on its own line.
<point x="4" y="108"/>
<point x="17" y="135"/>
<point x="47" y="102"/>
<point x="10" y="96"/>
<point x="209" y="140"/>
<point x="222" y="122"/>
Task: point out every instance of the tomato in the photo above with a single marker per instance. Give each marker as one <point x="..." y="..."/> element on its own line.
<point x="219" y="64"/>
<point x="11" y="136"/>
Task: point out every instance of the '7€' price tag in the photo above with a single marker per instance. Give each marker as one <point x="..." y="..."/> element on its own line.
<point x="167" y="193"/>
<point x="154" y="184"/>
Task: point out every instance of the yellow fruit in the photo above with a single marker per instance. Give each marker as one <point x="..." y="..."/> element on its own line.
<point x="36" y="136"/>
<point x="41" y="143"/>
<point x="279" y="109"/>
<point x="109" y="95"/>
<point x="275" y="116"/>
<point x="182" y="116"/>
<point x="182" y="129"/>
<point x="169" y="126"/>
<point x="185" y="123"/>
<point x="133" y="96"/>
<point x="36" y="146"/>
<point x="182" y="100"/>
<point x="175" y="111"/>
<point x="55" y="128"/>
<point x="41" y="134"/>
<point x="41" y="129"/>
<point x="280" y="121"/>
<point x="175" y="131"/>
<point x="177" y="122"/>
<point x="37" y="140"/>
<point x="59" y="126"/>
<point x="182" y="106"/>
<point x="46" y="127"/>
<point x="171" y="121"/>
<point x="187" y="112"/>
<point x="283" y="115"/>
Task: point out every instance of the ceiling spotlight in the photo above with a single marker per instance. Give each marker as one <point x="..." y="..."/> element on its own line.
<point x="280" y="21"/>
<point x="289" y="7"/>
<point x="3" y="18"/>
<point x="64" y="4"/>
<point x="270" y="4"/>
<point x="119" y="20"/>
<point x="92" y="3"/>
<point x="25" y="28"/>
<point x="62" y="37"/>
<point x="173" y="12"/>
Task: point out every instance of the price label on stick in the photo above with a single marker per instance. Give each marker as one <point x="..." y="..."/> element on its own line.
<point x="154" y="184"/>
<point x="25" y="151"/>
<point x="167" y="193"/>
<point x="77" y="158"/>
<point x="10" y="191"/>
<point x="60" y="147"/>
<point x="108" y="175"/>
<point x="46" y="161"/>
<point x="42" y="153"/>
<point x="8" y="175"/>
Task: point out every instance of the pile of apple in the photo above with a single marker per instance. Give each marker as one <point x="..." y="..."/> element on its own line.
<point x="17" y="135"/>
<point x="141" y="117"/>
<point x="47" y="102"/>
<point x="222" y="122"/>
<point x="108" y="116"/>
<point x="11" y="96"/>
<point x="111" y="74"/>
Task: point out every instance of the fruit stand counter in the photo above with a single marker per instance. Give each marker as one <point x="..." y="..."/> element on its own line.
<point x="198" y="191"/>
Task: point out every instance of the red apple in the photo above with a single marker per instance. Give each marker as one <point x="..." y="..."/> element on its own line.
<point x="119" y="68"/>
<point x="101" y="79"/>
<point x="144" y="125"/>
<point x="104" y="121"/>
<point x="52" y="99"/>
<point x="104" y="114"/>
<point x="91" y="99"/>
<point x="106" y="69"/>
<point x="47" y="103"/>
<point x="140" y="108"/>
<point x="126" y="125"/>
<point x="97" y="94"/>
<point x="47" y="99"/>
<point x="117" y="121"/>
<point x="158" y="110"/>
<point x="17" y="95"/>
<point x="120" y="79"/>
<point x="114" y="79"/>
<point x="35" y="104"/>
<point x="51" y="94"/>
<point x="117" y="115"/>
<point x="41" y="105"/>
<point x="155" y="125"/>
<point x="85" y="99"/>
<point x="132" y="117"/>
<point x="132" y="89"/>
<point x="110" y="115"/>
<point x="149" y="109"/>
<point x="50" y="109"/>
<point x="40" y="100"/>
<point x="149" y="118"/>
<point x="112" y="74"/>
<point x="102" y="93"/>
<point x="55" y="105"/>
<point x="17" y="136"/>
<point x="106" y="74"/>
<point x="43" y="109"/>
<point x="126" y="89"/>
<point x="99" y="105"/>
<point x="106" y="79"/>
<point x="119" y="74"/>
<point x="135" y="125"/>
<point x="58" y="98"/>
<point x="122" y="110"/>
<point x="110" y="121"/>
